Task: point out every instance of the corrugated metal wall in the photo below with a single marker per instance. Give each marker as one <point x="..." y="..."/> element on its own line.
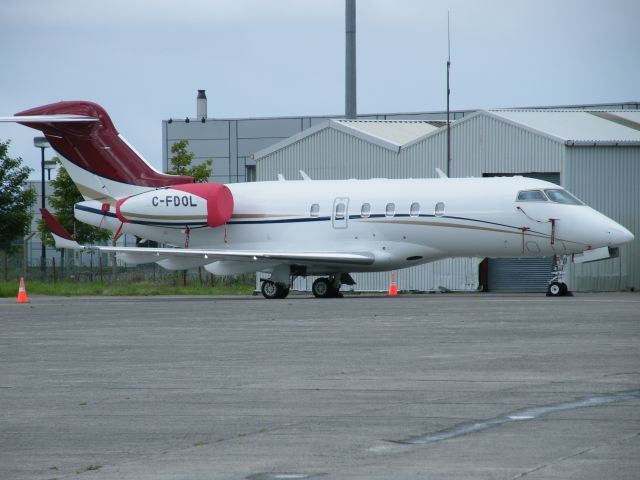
<point x="608" y="179"/>
<point x="481" y="144"/>
<point x="329" y="154"/>
<point x="455" y="274"/>
<point x="485" y="144"/>
<point x="519" y="274"/>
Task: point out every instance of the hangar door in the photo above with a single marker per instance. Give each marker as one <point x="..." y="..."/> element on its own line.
<point x="518" y="274"/>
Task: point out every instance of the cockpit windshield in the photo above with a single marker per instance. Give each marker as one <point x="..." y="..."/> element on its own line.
<point x="562" y="196"/>
<point x="556" y="195"/>
<point x="532" y="196"/>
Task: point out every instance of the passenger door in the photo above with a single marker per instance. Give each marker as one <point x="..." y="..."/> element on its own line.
<point x="340" y="213"/>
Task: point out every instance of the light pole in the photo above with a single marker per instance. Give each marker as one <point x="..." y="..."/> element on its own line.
<point x="42" y="143"/>
<point x="25" y="256"/>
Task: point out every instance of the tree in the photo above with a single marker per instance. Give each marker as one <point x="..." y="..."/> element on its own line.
<point x="181" y="163"/>
<point x="65" y="195"/>
<point x="15" y="199"/>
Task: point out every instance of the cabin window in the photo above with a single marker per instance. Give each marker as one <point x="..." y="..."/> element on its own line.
<point x="414" y="211"/>
<point x="315" y="210"/>
<point x="390" y="210"/>
<point x="562" y="196"/>
<point x="531" y="196"/>
<point x="365" y="211"/>
<point x="341" y="209"/>
<point x="439" y="210"/>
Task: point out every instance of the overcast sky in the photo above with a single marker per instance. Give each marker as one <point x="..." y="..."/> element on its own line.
<point x="144" y="60"/>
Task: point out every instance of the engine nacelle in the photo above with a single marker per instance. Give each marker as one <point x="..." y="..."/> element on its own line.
<point x="191" y="204"/>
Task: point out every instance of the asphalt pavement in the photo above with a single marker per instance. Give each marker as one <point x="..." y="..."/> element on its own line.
<point x="434" y="386"/>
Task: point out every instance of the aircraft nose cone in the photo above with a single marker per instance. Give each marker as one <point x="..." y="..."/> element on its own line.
<point x="619" y="235"/>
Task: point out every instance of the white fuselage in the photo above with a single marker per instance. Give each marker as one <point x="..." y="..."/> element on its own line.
<point x="402" y="222"/>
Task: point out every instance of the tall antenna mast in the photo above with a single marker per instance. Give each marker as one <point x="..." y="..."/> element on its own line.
<point x="448" y="95"/>
<point x="350" y="109"/>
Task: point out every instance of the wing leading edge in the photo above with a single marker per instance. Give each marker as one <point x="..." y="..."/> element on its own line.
<point x="145" y="255"/>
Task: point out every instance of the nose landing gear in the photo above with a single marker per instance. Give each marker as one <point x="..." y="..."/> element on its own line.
<point x="557" y="287"/>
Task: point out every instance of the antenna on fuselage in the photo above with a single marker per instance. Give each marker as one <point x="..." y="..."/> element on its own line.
<point x="304" y="175"/>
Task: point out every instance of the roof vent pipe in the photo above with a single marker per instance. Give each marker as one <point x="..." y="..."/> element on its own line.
<point x="201" y="105"/>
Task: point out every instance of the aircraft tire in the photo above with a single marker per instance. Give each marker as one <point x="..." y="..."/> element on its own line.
<point x="564" y="288"/>
<point x="272" y="290"/>
<point x="322" y="288"/>
<point x="555" y="289"/>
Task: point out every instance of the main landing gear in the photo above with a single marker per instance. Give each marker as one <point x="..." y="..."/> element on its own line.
<point x="329" y="287"/>
<point x="557" y="287"/>
<point x="323" y="287"/>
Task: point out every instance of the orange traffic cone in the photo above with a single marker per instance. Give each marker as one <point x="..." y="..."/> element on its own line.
<point x="393" y="289"/>
<point x="22" y="292"/>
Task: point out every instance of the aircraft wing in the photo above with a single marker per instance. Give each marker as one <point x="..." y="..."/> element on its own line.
<point x="64" y="239"/>
<point x="143" y="254"/>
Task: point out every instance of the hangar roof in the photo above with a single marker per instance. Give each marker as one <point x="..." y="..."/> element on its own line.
<point x="577" y="128"/>
<point x="390" y="134"/>
<point x="570" y="127"/>
<point x="398" y="132"/>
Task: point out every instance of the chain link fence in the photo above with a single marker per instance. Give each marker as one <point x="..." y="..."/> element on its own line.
<point x="67" y="265"/>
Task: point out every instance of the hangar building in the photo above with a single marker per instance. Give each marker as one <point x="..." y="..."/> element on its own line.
<point x="231" y="142"/>
<point x="594" y="154"/>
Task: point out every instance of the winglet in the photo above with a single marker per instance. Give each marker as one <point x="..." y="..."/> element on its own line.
<point x="62" y="238"/>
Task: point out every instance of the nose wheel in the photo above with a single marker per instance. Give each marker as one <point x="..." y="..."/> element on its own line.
<point x="557" y="287"/>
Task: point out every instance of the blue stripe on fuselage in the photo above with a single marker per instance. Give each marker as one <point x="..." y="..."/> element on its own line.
<point x="298" y="220"/>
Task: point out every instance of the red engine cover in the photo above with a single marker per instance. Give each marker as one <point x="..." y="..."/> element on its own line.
<point x="219" y="200"/>
<point x="179" y="205"/>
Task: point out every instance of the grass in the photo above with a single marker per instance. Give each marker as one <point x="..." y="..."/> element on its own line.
<point x="120" y="288"/>
<point x="201" y="443"/>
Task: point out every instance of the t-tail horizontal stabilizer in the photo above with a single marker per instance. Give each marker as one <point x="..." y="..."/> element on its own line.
<point x="62" y="238"/>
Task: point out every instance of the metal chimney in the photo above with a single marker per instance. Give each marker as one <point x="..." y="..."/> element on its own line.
<point x="350" y="102"/>
<point x="201" y="105"/>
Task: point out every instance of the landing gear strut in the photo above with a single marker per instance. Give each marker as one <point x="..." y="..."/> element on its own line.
<point x="557" y="287"/>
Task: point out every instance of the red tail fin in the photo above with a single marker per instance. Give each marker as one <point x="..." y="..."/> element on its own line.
<point x="96" y="146"/>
